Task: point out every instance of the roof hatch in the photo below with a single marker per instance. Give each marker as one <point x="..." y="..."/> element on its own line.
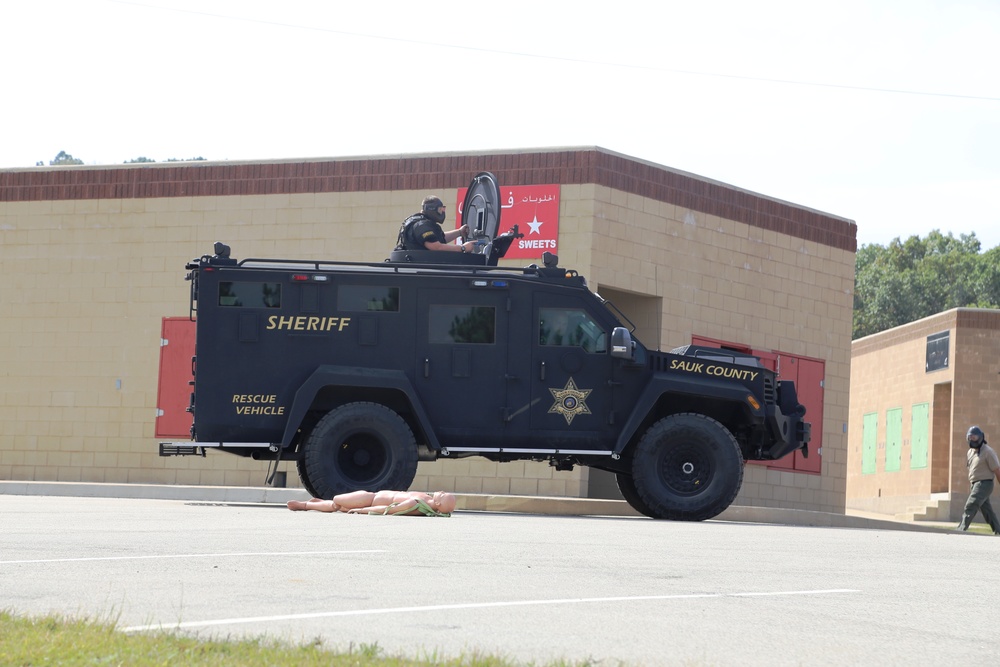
<point x="481" y="208"/>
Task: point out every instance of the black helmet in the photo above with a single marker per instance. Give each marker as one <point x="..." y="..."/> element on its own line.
<point x="976" y="437"/>
<point x="430" y="209"/>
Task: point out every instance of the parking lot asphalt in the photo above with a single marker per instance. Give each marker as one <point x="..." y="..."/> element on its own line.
<point x="560" y="506"/>
<point x="536" y="588"/>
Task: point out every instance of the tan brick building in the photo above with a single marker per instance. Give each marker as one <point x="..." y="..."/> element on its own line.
<point x="915" y="391"/>
<point x="93" y="260"/>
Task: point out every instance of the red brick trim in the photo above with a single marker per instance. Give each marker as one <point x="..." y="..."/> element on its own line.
<point x="214" y="179"/>
<point x="969" y="318"/>
<point x="954" y="319"/>
<point x="904" y="333"/>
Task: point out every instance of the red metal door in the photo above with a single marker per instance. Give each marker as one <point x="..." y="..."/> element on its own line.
<point x="807" y="374"/>
<point x="809" y="387"/>
<point x="174" y="388"/>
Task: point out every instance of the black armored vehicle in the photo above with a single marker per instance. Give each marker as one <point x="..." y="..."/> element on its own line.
<point x="357" y="371"/>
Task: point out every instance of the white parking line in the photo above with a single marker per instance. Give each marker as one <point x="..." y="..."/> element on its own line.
<point x="470" y="605"/>
<point x="263" y="553"/>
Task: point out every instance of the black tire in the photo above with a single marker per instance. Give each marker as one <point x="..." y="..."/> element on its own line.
<point x="626" y="485"/>
<point x="300" y="462"/>
<point x="359" y="446"/>
<point x="300" y="467"/>
<point x="687" y="467"/>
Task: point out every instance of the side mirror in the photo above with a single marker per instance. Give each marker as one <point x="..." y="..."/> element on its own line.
<point x="621" y="344"/>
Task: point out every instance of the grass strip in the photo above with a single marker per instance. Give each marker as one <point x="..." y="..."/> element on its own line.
<point x="67" y="642"/>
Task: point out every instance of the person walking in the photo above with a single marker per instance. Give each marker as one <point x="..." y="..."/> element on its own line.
<point x="983" y="468"/>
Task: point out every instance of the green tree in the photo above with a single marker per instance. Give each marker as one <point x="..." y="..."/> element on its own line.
<point x="911" y="279"/>
<point x="139" y="159"/>
<point x="64" y="158"/>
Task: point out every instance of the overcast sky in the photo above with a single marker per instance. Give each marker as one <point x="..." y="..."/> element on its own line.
<point x="884" y="112"/>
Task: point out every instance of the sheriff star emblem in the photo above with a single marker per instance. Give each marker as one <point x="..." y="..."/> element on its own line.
<point x="570" y="401"/>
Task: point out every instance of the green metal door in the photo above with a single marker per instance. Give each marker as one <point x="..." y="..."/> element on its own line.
<point x="893" y="439"/>
<point x="920" y="428"/>
<point x="869" y="443"/>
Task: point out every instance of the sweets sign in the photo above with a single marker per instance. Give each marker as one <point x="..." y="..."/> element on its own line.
<point x="535" y="211"/>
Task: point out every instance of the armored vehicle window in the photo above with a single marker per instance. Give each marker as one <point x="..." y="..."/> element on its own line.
<point x="368" y="297"/>
<point x="570" y="328"/>
<point x="462" y="324"/>
<point x="250" y="295"/>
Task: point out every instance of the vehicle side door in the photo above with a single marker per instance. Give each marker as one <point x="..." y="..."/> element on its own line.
<point x="570" y="375"/>
<point x="461" y="353"/>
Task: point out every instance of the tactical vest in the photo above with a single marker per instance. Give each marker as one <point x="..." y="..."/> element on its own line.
<point x="406" y="240"/>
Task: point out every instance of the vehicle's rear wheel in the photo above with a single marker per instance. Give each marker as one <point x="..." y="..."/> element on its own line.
<point x="358" y="446"/>
<point x="687" y="467"/>
<point x="626" y="485"/>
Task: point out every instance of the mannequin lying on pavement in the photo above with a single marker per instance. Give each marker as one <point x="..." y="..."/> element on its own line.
<point x="411" y="503"/>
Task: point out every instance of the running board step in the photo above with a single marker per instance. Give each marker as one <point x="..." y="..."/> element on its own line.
<point x="198" y="448"/>
<point x="174" y="449"/>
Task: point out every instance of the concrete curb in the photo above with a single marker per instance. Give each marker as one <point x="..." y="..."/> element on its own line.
<point x="466" y="501"/>
<point x="226" y="494"/>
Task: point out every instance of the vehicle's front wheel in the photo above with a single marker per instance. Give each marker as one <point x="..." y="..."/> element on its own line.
<point x="626" y="486"/>
<point x="687" y="467"/>
<point x="358" y="446"/>
<point x="300" y="467"/>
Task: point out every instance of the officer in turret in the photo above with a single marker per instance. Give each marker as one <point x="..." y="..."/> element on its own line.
<point x="423" y="231"/>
